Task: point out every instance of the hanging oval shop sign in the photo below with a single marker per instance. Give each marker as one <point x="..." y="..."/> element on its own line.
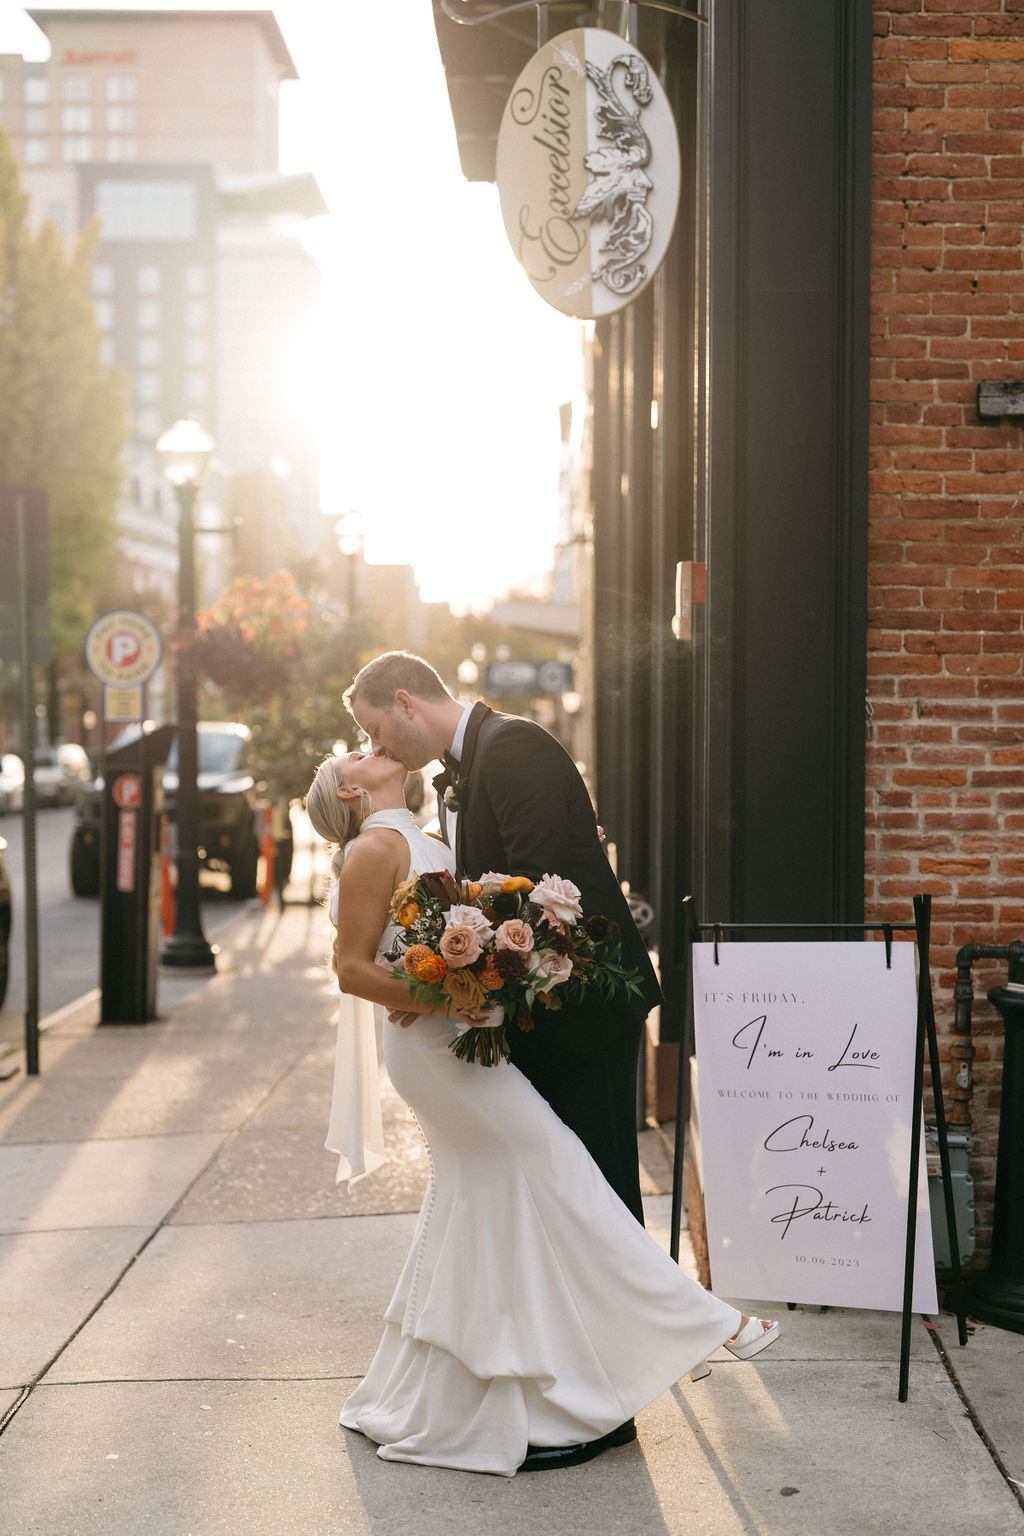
<point x="588" y="172"/>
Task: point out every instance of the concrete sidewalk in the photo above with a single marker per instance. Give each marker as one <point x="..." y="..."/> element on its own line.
<point x="186" y="1299"/>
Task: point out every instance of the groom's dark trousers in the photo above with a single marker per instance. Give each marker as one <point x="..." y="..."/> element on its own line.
<point x="523" y="809"/>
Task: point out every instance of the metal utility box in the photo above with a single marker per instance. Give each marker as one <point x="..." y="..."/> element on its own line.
<point x="133" y="802"/>
<point x="959" y="1141"/>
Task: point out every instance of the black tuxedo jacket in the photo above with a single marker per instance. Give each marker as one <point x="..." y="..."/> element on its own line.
<point x="525" y="810"/>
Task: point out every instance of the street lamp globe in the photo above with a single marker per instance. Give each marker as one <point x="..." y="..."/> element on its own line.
<point x="351" y="533"/>
<point x="184" y="451"/>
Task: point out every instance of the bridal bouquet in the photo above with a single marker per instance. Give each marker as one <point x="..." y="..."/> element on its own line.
<point x="498" y="945"/>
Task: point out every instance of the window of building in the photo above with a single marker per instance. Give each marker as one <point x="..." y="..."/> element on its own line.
<point x="149" y="314"/>
<point x="107" y="351"/>
<point x="103" y="277"/>
<point x="37" y="151"/>
<point x="121" y="87"/>
<point x="148" y="385"/>
<point x="195" y="388"/>
<point x="149" y="422"/>
<point x="76" y="150"/>
<point x="76" y="88"/>
<point x="147" y="210"/>
<point x="36" y="89"/>
<point x="37" y="120"/>
<point x="76" y="119"/>
<point x="195" y="314"/>
<point x="149" y="351"/>
<point x="105" y="313"/>
<point x="195" y="351"/>
<point x="122" y="149"/>
<point x="120" y="119"/>
<point x="148" y="278"/>
<point x="195" y="279"/>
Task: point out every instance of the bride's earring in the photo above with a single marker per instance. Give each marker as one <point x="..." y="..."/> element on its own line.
<point x="365" y="794"/>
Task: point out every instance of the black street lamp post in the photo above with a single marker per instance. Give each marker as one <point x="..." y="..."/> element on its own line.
<point x="184" y="451"/>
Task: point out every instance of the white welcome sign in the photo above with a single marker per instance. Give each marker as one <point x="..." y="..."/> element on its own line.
<point x="805" y="1058"/>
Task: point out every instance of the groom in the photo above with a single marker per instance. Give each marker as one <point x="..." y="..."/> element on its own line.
<point x="512" y="799"/>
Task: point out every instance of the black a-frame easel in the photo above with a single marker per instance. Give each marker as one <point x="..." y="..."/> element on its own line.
<point x="921" y="928"/>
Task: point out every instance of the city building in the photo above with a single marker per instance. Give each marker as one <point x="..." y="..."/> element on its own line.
<point x="164" y="126"/>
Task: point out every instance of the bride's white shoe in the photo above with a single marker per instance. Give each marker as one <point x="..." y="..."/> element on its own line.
<point x="756" y="1334"/>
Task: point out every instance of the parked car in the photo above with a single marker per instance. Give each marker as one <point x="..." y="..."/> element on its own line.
<point x="227" y="826"/>
<point x="12" y="783"/>
<point x="59" y="773"/>
<point x="6" y="913"/>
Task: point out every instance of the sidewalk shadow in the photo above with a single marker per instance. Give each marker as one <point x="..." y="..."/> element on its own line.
<point x="614" y="1492"/>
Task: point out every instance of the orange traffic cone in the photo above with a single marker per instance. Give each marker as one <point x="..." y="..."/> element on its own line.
<point x="269" y="850"/>
<point x="167" y="904"/>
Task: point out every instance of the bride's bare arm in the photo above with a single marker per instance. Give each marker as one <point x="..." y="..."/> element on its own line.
<point x="375" y="865"/>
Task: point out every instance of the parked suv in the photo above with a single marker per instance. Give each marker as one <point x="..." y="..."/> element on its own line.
<point x="227" y="827"/>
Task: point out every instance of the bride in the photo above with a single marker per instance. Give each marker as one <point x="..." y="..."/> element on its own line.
<point x="533" y="1316"/>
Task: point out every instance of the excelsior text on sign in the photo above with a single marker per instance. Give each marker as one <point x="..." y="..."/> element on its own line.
<point x="588" y="172"/>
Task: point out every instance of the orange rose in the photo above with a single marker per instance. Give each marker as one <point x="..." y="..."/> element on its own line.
<point x="489" y="975"/>
<point x="517" y="883"/>
<point x="472" y="890"/>
<point x="432" y="968"/>
<point x="408" y="914"/>
<point x="414" y="956"/>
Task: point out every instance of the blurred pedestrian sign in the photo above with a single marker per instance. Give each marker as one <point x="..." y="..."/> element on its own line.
<point x="528" y="677"/>
<point x="123" y="650"/>
<point x="30" y="503"/>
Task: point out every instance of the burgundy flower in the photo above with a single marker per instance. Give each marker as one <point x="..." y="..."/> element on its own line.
<point x="553" y="936"/>
<point x="512" y="966"/>
<point x="440" y="885"/>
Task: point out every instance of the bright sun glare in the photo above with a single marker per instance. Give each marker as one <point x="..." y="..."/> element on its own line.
<point x="437" y="373"/>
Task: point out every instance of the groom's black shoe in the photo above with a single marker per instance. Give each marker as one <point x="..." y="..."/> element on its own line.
<point x="544" y="1458"/>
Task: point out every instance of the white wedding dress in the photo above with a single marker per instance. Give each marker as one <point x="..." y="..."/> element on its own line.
<point x="532" y="1308"/>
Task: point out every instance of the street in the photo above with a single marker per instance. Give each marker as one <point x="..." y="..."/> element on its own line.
<point x="69" y="926"/>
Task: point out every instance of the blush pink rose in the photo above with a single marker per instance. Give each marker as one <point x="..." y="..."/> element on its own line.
<point x="556" y="968"/>
<point x="460" y="946"/>
<point x="514" y="935"/>
<point x="559" y="898"/>
<point x="469" y="917"/>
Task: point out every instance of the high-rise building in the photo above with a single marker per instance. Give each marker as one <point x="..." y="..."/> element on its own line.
<point x="164" y="125"/>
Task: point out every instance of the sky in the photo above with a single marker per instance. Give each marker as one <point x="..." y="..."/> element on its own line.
<point x="437" y="371"/>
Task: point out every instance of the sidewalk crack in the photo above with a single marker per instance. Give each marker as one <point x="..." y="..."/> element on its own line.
<point x="1015" y="1488"/>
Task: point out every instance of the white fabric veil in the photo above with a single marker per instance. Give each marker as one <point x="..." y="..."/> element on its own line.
<point x="356" y="1131"/>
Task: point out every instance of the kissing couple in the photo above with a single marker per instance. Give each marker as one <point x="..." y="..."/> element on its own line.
<point x="534" y="1316"/>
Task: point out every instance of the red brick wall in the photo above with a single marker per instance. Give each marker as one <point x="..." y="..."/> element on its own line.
<point x="945" y="780"/>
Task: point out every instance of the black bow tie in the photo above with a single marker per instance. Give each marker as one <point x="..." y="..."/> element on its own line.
<point x="452" y="767"/>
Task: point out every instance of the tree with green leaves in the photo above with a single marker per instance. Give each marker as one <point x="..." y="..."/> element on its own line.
<point x="62" y="411"/>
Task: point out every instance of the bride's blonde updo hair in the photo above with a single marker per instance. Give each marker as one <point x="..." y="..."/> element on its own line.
<point x="337" y="821"/>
